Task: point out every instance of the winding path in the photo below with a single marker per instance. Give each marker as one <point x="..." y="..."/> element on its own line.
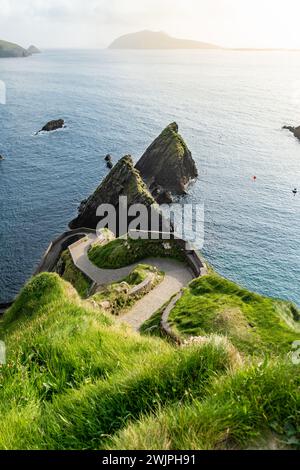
<point x="177" y="275"/>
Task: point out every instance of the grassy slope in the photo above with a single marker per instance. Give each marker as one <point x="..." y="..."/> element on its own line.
<point x="73" y="378"/>
<point x="120" y="252"/>
<point x="254" y="324"/>
<point x="256" y="407"/>
<point x="72" y="274"/>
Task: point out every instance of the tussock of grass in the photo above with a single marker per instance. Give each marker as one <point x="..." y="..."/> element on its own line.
<point x="254" y="324"/>
<point x="120" y="252"/>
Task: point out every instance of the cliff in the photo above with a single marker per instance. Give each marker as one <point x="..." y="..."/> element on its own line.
<point x="33" y="50"/>
<point x="294" y="130"/>
<point x="123" y="180"/>
<point x="168" y="162"/>
<point x="157" y="40"/>
<point x="9" y="49"/>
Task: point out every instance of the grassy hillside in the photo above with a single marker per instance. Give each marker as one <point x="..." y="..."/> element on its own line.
<point x="9" y="49"/>
<point x="254" y="324"/>
<point x="73" y="377"/>
<point x="124" y="252"/>
<point x="258" y="407"/>
<point x="76" y="380"/>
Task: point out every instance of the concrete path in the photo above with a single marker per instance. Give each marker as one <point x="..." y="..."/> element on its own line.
<point x="177" y="275"/>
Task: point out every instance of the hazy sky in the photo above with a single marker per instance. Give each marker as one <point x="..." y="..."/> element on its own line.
<point x="95" y="23"/>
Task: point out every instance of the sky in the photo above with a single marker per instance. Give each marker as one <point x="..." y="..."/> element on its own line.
<point x="95" y="23"/>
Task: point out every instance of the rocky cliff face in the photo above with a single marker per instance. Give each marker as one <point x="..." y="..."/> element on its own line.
<point x="294" y="130"/>
<point x="123" y="180"/>
<point x="167" y="165"/>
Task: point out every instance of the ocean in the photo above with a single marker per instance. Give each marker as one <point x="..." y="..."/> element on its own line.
<point x="230" y="107"/>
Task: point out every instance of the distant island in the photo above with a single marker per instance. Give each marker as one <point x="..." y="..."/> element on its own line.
<point x="10" y="49"/>
<point x="33" y="50"/>
<point x="157" y="40"/>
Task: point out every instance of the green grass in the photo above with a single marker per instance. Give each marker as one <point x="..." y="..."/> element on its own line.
<point x="75" y="379"/>
<point x="257" y="407"/>
<point x="254" y="324"/>
<point x="121" y="252"/>
<point x="71" y="274"/>
<point x="117" y="294"/>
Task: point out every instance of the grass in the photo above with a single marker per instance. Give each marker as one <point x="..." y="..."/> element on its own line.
<point x="124" y="252"/>
<point x="75" y="379"/>
<point x="256" y="407"/>
<point x="254" y="324"/>
<point x="116" y="296"/>
<point x="70" y="273"/>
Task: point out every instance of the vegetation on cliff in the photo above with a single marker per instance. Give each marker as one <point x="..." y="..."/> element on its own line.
<point x="73" y="378"/>
<point x="76" y="380"/>
<point x="124" y="252"/>
<point x="70" y="273"/>
<point x="116" y="298"/>
<point x="168" y="162"/>
<point x="254" y="324"/>
<point x="213" y="305"/>
<point x="123" y="180"/>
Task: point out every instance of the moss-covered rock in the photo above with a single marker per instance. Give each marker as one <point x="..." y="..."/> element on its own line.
<point x="168" y="163"/>
<point x="123" y="180"/>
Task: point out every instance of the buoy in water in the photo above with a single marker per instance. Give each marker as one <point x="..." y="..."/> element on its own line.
<point x="254" y="178"/>
<point x="295" y="191"/>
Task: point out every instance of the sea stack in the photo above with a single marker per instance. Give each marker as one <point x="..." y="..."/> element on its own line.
<point x="167" y="166"/>
<point x="123" y="180"/>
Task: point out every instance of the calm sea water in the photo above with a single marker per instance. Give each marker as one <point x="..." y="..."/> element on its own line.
<point x="230" y="107"/>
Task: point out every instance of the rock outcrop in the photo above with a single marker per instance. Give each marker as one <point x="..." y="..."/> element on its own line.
<point x="294" y="130"/>
<point x="9" y="49"/>
<point x="109" y="162"/>
<point x="53" y="125"/>
<point x="123" y="180"/>
<point x="33" y="50"/>
<point x="168" y="164"/>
